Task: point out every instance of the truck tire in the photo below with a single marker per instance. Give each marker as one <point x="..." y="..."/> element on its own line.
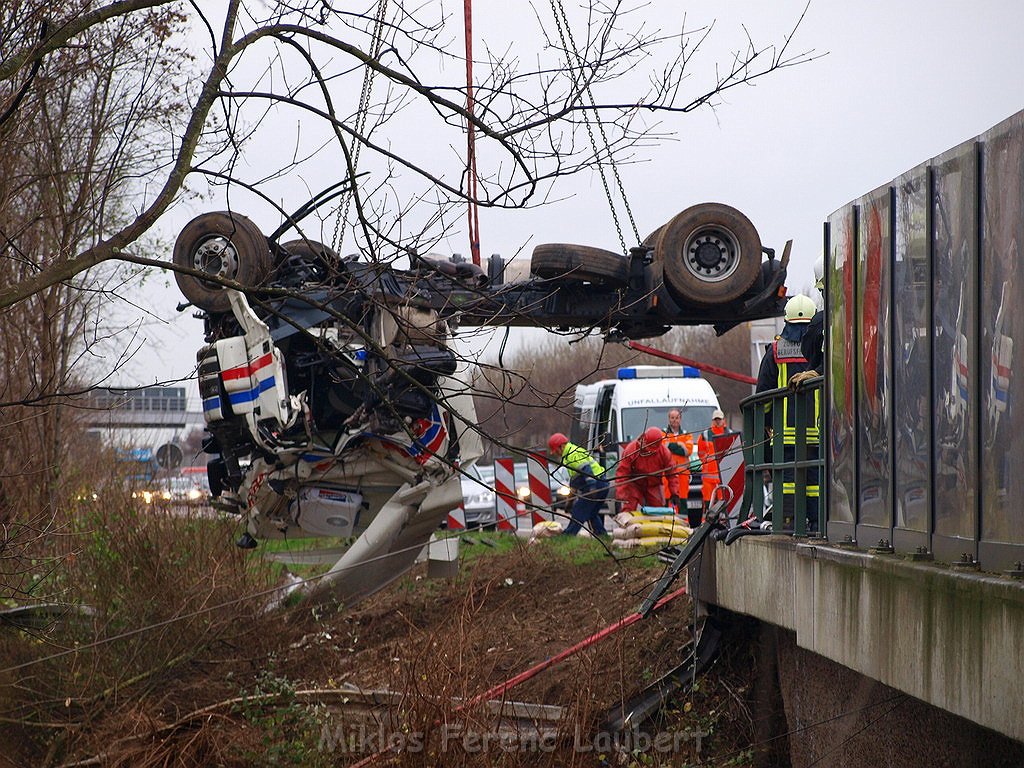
<point x="223" y="244"/>
<point x="579" y="263"/>
<point x="710" y="254"/>
<point x="324" y="259"/>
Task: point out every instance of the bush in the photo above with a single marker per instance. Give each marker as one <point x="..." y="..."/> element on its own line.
<point x="147" y="591"/>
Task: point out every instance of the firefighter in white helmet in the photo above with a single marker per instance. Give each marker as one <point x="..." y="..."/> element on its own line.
<point x="781" y="362"/>
<point x="784" y="357"/>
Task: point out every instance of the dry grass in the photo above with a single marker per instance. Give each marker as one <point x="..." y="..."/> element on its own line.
<point x="236" y="688"/>
<point x="141" y="588"/>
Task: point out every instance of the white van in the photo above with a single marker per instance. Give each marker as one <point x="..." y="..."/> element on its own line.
<point x="610" y="413"/>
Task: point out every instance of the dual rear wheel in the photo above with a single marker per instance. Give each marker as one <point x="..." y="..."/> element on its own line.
<point x="710" y="254"/>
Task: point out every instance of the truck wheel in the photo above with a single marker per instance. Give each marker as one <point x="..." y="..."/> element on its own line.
<point x="324" y="259"/>
<point x="711" y="254"/>
<point x="222" y="244"/>
<point x="579" y="263"/>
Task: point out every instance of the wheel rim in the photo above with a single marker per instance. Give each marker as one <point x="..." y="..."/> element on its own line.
<point x="217" y="256"/>
<point x="712" y="253"/>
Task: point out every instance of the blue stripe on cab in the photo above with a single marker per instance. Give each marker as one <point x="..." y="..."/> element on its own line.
<point x="252" y="394"/>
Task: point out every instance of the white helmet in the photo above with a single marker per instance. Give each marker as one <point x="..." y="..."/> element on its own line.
<point x="800" y="309"/>
<point x="819" y="273"/>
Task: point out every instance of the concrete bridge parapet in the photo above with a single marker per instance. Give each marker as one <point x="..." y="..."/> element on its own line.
<point x="952" y="639"/>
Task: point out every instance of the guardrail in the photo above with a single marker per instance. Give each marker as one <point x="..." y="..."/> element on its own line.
<point x="791" y="458"/>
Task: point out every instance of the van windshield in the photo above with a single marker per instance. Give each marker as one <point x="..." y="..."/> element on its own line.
<point x="635" y="420"/>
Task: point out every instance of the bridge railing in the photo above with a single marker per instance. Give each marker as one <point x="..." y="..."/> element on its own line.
<point x="781" y="436"/>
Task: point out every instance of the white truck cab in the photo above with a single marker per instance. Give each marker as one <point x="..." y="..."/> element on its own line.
<point x="610" y="413"/>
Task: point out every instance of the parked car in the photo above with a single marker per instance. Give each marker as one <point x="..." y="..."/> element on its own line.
<point x="152" y="495"/>
<point x="189" y="489"/>
<point x="558" y="481"/>
<point x="478" y="498"/>
<point x="560" y="490"/>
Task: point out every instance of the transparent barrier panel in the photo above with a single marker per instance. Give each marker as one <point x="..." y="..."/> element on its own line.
<point x="874" y="375"/>
<point x="840" y="367"/>
<point x="1002" y="334"/>
<point x="954" y="323"/>
<point x="912" y="353"/>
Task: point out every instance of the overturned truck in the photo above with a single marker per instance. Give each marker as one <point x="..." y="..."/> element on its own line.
<point x="334" y="404"/>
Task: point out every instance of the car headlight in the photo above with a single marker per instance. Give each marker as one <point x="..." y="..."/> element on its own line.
<point x="147" y="496"/>
<point x="165" y="495"/>
<point x="194" y="494"/>
<point x="563" y="490"/>
<point x="523" y="492"/>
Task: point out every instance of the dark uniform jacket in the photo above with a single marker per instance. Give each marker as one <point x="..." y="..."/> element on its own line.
<point x="783" y="359"/>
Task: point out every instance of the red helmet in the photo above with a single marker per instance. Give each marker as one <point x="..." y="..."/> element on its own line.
<point x="556" y="442"/>
<point x="649" y="440"/>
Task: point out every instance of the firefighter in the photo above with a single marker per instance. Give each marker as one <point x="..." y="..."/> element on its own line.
<point x="710" y="477"/>
<point x="645" y="462"/>
<point x="783" y="360"/>
<point x="586" y="478"/>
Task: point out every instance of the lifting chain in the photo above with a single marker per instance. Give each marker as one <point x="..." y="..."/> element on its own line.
<point x="377" y="38"/>
<point x="565" y="31"/>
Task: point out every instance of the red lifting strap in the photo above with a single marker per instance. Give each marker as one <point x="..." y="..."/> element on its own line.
<point x="471" y="185"/>
<point x="696" y="364"/>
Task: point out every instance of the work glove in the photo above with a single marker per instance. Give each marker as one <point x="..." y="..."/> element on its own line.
<point x="677" y="449"/>
<point x="674" y="501"/>
<point x="797" y="380"/>
<point x="695" y="465"/>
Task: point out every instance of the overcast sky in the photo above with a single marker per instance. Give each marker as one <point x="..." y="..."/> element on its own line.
<point x="899" y="82"/>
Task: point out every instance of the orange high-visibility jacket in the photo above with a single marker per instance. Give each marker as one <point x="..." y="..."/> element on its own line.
<point x="710" y="478"/>
<point x="682" y="463"/>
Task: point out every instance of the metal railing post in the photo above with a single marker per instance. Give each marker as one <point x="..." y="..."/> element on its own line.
<point x="805" y="455"/>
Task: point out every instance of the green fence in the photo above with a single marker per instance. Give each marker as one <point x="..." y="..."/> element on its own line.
<point x="781" y="436"/>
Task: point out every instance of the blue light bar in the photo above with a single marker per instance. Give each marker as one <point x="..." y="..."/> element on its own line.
<point x="659" y="372"/>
